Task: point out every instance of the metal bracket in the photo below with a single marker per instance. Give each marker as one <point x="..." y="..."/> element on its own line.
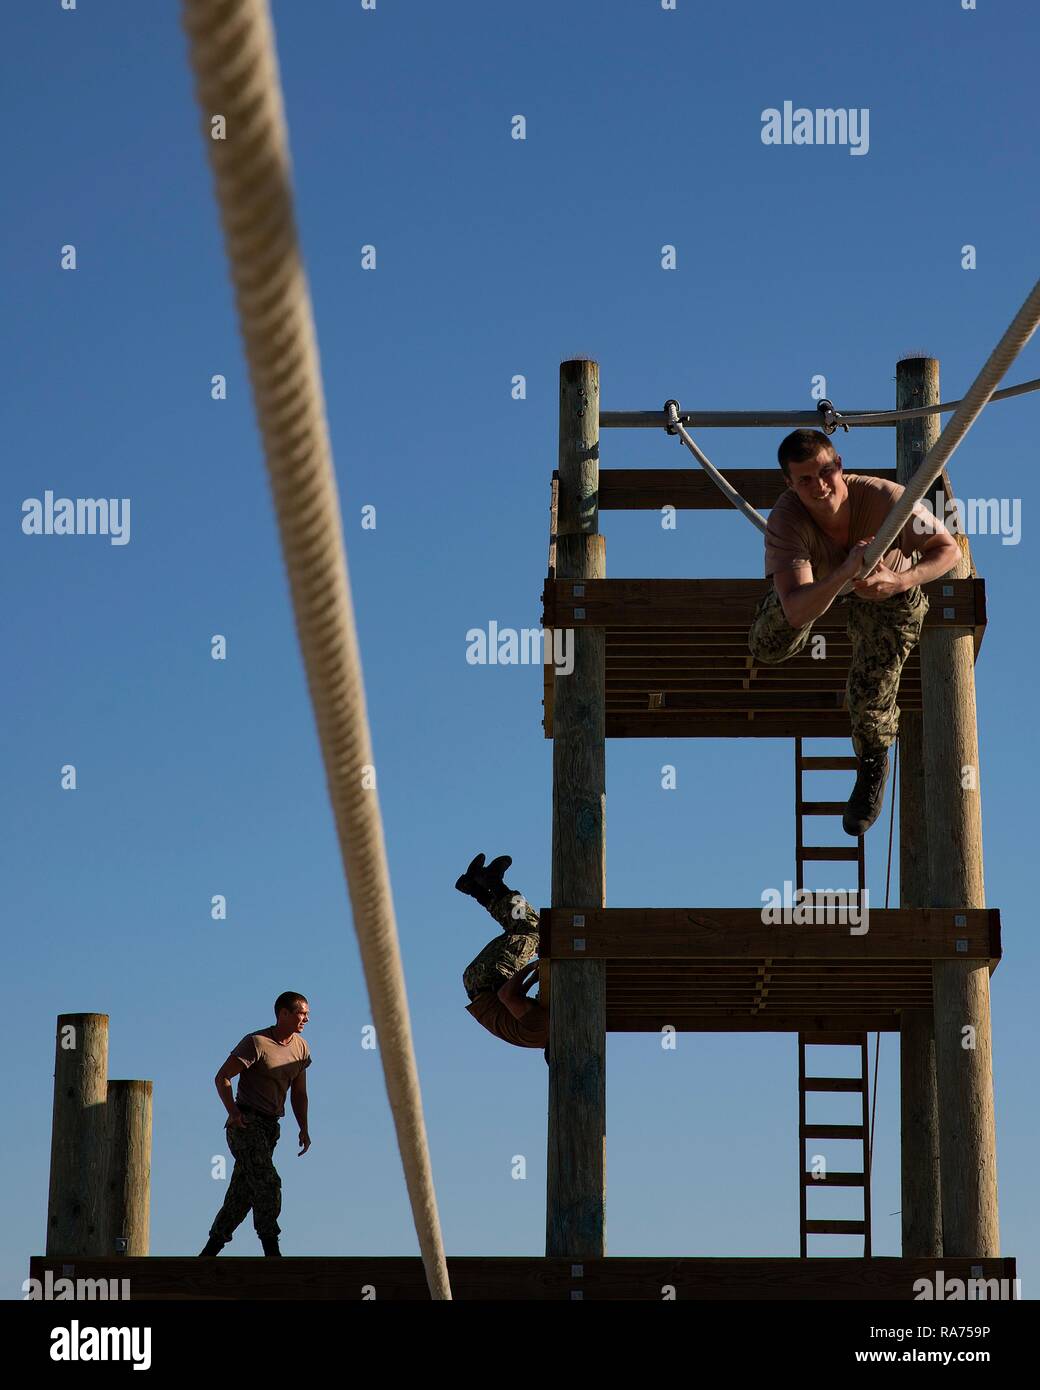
<point x="672" y="426"/>
<point x="830" y="419"/>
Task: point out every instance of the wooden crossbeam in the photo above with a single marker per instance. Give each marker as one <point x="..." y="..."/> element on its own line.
<point x="639" y="934"/>
<point x="720" y="603"/>
<point x="494" y="1278"/>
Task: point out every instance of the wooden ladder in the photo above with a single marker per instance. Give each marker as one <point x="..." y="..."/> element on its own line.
<point x="856" y="1084"/>
<point x="861" y="1131"/>
<point x="803" y="853"/>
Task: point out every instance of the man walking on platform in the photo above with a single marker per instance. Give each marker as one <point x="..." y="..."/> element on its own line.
<point x="271" y="1062"/>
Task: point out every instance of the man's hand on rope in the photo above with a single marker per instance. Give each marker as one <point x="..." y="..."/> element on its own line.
<point x="880" y="584"/>
<point x="883" y="583"/>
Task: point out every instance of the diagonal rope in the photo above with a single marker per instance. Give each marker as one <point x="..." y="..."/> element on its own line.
<point x="236" y="77"/>
<point x="724" y="486"/>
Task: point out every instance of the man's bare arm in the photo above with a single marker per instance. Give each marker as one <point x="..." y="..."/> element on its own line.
<point x="225" y="1091"/>
<point x="803" y="599"/>
<point x="513" y="993"/>
<point x="298" y="1101"/>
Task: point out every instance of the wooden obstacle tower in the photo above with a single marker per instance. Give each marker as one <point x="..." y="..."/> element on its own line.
<point x="669" y="659"/>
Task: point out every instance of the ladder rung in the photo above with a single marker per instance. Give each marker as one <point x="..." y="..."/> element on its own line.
<point x="821" y="808"/>
<point x="832" y="1083"/>
<point x="833" y="1132"/>
<point x="835" y="1228"/>
<point x="833" y="1039"/>
<point x="828" y="852"/>
<point x="833" y="1179"/>
<point x="830" y="764"/>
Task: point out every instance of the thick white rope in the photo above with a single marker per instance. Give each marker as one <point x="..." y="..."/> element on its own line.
<point x="236" y="76"/>
<point x="1021" y="329"/>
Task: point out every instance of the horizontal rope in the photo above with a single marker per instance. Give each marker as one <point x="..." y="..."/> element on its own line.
<point x="796" y="419"/>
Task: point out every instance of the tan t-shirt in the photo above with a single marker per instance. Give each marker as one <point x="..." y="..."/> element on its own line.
<point x="271" y="1067"/>
<point x="530" y="1031"/>
<point x="793" y="538"/>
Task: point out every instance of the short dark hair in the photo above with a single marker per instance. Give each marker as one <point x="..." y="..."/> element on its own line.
<point x="802" y="445"/>
<point x="287" y="1000"/>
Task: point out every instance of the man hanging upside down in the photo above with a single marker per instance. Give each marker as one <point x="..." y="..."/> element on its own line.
<point x="497" y="980"/>
<point x="814" y="544"/>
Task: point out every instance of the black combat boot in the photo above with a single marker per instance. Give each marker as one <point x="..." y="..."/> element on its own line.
<point x="484" y="881"/>
<point x="213" y="1246"/>
<point x="270" y="1244"/>
<point x="868" y="795"/>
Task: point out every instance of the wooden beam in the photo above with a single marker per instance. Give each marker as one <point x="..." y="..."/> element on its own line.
<point x="76" y="1222"/>
<point x="703" y="933"/>
<point x="129" y="1167"/>
<point x="493" y="1278"/>
<point x="718" y="603"/>
<point x="739" y="1021"/>
<point x="680" y="724"/>
<point x="917" y="384"/>
<point x="963" y="1041"/>
<point x="576" y="1167"/>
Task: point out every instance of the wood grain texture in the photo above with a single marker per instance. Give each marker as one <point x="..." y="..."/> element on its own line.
<point x="76" y="1201"/>
<point x="394" y="1278"/>
<point x="917" y="383"/>
<point x="967" y="1137"/>
<point x="576" y="1164"/>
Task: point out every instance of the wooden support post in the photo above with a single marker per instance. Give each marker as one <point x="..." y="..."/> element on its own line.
<point x="917" y="383"/>
<point x="963" y="1040"/>
<point x="128" y="1167"/>
<point x="576" y="1168"/>
<point x="76" y="1201"/>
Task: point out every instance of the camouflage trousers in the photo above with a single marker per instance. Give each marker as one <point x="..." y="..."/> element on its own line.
<point x="882" y="634"/>
<point x="513" y="948"/>
<point x="254" y="1182"/>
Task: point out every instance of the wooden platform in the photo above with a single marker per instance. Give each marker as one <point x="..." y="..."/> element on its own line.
<point x="524" y="1278"/>
<point x="678" y="665"/>
<point x="725" y="970"/>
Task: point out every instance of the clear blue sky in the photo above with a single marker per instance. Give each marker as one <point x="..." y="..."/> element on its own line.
<point x="495" y="257"/>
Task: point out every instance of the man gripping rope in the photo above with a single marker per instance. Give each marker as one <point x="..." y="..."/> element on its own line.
<point x="814" y="543"/>
<point x="498" y="978"/>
